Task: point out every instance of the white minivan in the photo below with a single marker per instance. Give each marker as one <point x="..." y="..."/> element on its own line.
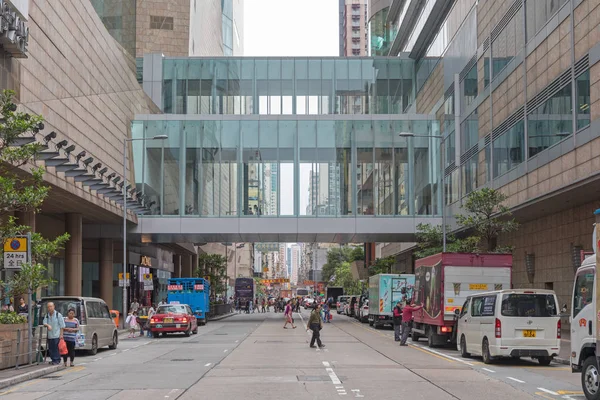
<point x="510" y="323"/>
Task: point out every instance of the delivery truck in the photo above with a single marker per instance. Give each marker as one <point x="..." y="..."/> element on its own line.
<point x="442" y="284"/>
<point x="334" y="292"/>
<point x="385" y="291"/>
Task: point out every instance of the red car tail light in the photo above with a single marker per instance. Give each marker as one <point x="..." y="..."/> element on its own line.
<point x="152" y="320"/>
<point x="498" y="329"/>
<point x="184" y="320"/>
<point x="558" y="326"/>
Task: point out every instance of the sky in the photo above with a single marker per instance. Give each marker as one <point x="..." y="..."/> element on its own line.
<point x="290" y="28"/>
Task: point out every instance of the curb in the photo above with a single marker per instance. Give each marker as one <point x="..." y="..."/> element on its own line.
<point x="222" y="317"/>
<point x="564" y="361"/>
<point x="28" y="376"/>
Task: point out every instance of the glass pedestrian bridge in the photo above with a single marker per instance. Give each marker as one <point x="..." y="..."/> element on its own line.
<point x="268" y="150"/>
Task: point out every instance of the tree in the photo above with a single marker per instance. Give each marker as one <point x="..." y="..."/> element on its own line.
<point x="382" y="266"/>
<point x="214" y="268"/>
<point x="344" y="278"/>
<point x="337" y="256"/>
<point x="488" y="217"/>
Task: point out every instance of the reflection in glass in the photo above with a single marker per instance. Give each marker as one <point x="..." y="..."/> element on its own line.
<point x="509" y="149"/>
<point x="551" y="122"/>
<point x="583" y="100"/>
<point x="508" y="43"/>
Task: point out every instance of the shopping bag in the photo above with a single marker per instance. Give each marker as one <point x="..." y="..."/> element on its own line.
<point x="80" y="340"/>
<point x="62" y="347"/>
<point x="330" y="317"/>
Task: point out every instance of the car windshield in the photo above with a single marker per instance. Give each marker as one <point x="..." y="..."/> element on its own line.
<point x="529" y="305"/>
<point x="62" y="306"/>
<point x="175" y="309"/>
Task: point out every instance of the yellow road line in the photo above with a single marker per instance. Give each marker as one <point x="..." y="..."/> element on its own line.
<point x="541" y="394"/>
<point x="563" y="392"/>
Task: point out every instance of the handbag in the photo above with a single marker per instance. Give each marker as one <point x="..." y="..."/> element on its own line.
<point x="79" y="340"/>
<point x="62" y="347"/>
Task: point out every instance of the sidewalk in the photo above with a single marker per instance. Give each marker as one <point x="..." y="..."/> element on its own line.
<point x="11" y="376"/>
<point x="220" y="317"/>
<point x="564" y="357"/>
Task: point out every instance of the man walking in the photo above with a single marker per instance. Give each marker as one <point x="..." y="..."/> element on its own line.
<point x="315" y="324"/>
<point x="407" y="316"/>
<point x="55" y="323"/>
<point x="398" y="322"/>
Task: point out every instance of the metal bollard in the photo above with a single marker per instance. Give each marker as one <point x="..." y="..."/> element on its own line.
<point x="18" y="348"/>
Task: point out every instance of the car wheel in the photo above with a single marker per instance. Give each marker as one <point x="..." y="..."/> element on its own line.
<point x="431" y="338"/>
<point x="485" y="352"/>
<point x="155" y="335"/>
<point x="545" y="360"/>
<point x="590" y="380"/>
<point x="188" y="332"/>
<point x="463" y="347"/>
<point x="94" y="349"/>
<point x="195" y="331"/>
<point x="115" y="341"/>
<point x="370" y="322"/>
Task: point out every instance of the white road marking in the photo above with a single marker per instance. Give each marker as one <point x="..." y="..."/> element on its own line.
<point x="112" y="354"/>
<point x="126" y="350"/>
<point x="326" y="364"/>
<point x="334" y="379"/>
<point x="225" y="351"/>
<point x="515" y="379"/>
<point x="488" y="370"/>
<point x="237" y="341"/>
<point x="548" y="391"/>
<point x="339" y="387"/>
<point x="443" y="355"/>
<point x="207" y="365"/>
<point x="171" y="392"/>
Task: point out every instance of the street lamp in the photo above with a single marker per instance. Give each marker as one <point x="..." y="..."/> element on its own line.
<point x="442" y="163"/>
<point x="157" y="137"/>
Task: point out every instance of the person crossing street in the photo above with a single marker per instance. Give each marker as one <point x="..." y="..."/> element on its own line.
<point x="315" y="324"/>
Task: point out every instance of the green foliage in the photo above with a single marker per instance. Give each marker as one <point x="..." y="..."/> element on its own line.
<point x="214" y="268"/>
<point x="382" y="266"/>
<point x="337" y="256"/>
<point x="344" y="278"/>
<point x="261" y="289"/>
<point x="487" y="216"/>
<point x="31" y="277"/>
<point x="11" y="318"/>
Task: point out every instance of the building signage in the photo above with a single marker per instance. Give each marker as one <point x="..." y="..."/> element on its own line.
<point x="278" y="280"/>
<point x="127" y="281"/>
<point x="173" y="288"/>
<point x="148" y="282"/>
<point x="145" y="261"/>
<point x="309" y="283"/>
<point x="16" y="251"/>
<point x="199" y="287"/>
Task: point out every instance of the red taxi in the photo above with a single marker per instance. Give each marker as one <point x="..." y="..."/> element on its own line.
<point x="173" y="318"/>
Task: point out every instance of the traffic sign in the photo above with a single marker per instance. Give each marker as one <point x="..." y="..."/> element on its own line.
<point x="16" y="252"/>
<point x="127" y="281"/>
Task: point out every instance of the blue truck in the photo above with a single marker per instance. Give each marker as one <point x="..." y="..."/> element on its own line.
<point x="194" y="292"/>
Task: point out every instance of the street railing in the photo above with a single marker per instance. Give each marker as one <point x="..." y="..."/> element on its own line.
<point x="18" y="348"/>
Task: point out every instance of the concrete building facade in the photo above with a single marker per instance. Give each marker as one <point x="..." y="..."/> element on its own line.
<point x="514" y="85"/>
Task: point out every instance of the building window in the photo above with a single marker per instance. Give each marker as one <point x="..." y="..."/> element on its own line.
<point x="469" y="174"/>
<point x="539" y="12"/>
<point x="551" y="122"/>
<point x="583" y="99"/>
<point x="160" y="22"/>
<point x="469" y="130"/>
<point x="509" y="149"/>
<point x="449" y="145"/>
<point x="114" y="22"/>
<point x="508" y="43"/>
<point x="452" y="188"/>
<point x="469" y="86"/>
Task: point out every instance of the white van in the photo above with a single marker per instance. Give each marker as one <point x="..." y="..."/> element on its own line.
<point x="510" y="323"/>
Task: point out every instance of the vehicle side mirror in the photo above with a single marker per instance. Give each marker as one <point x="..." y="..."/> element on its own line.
<point x="563" y="309"/>
<point x="456" y="311"/>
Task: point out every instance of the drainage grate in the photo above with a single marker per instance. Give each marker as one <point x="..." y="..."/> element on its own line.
<point x="182" y="359"/>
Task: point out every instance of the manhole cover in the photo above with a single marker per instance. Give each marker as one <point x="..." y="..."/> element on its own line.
<point x="317" y="378"/>
<point x="182" y="359"/>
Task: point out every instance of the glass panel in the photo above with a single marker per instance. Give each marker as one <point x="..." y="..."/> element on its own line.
<point x="287" y="150"/>
<point x="211" y="171"/>
<point x="228" y="166"/>
<point x="583" y="100"/>
<point x="363" y="133"/>
<point x="539" y="12"/>
<point x="452" y="188"/>
<point x="171" y="163"/>
<point x="508" y="149"/>
<point x="193" y="173"/>
<point x="251" y="167"/>
<point x="269" y="168"/>
<point x="309" y="176"/>
<point x="469" y="85"/>
<point x="384" y="168"/>
<point x="378" y="27"/>
<point x="551" y="122"/>
<point x="508" y="43"/>
<point x="470" y="132"/>
<point x="469" y="175"/>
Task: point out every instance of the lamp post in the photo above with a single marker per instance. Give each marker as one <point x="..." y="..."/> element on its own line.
<point x="157" y="137"/>
<point x="442" y="163"/>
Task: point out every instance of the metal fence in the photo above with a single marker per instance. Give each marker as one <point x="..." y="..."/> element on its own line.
<point x="219" y="309"/>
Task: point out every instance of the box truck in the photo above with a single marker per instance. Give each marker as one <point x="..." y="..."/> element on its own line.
<point x="442" y="284"/>
<point x="385" y="290"/>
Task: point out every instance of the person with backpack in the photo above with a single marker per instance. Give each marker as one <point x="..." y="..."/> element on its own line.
<point x="55" y="323"/>
<point x="133" y="323"/>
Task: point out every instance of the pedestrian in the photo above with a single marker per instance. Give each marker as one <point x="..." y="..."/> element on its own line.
<point x="326" y="313"/>
<point x="255" y="309"/>
<point x="163" y="302"/>
<point x="70" y="336"/>
<point x="55" y="323"/>
<point x="134" y="306"/>
<point x="289" y="319"/>
<point x="151" y="312"/>
<point x="398" y="322"/>
<point x="249" y="305"/>
<point x="133" y="323"/>
<point x="264" y="305"/>
<point x="407" y="316"/>
<point x="23" y="310"/>
<point x="315" y="324"/>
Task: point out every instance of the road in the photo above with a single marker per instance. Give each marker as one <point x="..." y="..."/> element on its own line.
<point x="250" y="357"/>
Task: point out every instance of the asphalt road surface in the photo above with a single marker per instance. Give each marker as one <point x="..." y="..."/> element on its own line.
<point x="250" y="357"/>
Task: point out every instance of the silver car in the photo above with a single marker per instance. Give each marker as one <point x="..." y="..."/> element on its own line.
<point x="96" y="325"/>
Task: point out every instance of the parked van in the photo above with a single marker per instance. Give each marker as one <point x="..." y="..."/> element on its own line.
<point x="510" y="323"/>
<point x="97" y="325"/>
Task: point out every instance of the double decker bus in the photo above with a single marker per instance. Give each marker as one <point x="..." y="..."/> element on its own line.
<point x="245" y="288"/>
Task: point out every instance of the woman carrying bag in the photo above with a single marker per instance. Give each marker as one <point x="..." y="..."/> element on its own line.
<point x="70" y="337"/>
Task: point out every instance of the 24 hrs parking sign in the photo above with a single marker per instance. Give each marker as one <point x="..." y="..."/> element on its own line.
<point x="15" y="252"/>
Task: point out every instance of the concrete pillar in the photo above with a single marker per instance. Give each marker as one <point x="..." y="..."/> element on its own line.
<point x="106" y="271"/>
<point x="194" y="264"/>
<point x="186" y="266"/>
<point x="26" y="218"/>
<point x="73" y="255"/>
<point x="177" y="266"/>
